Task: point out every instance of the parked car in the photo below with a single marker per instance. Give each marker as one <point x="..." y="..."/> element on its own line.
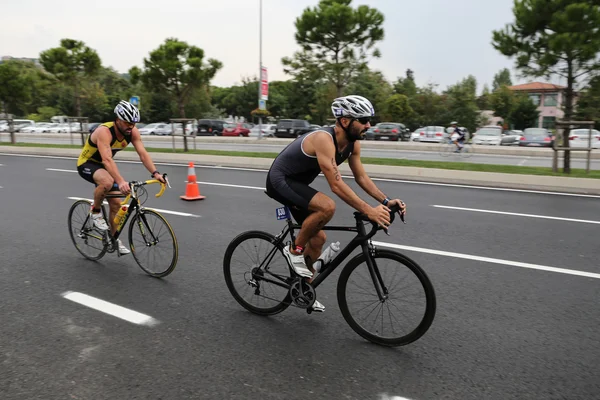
<point x="490" y="135"/>
<point x="579" y="138"/>
<point x="537" y="137"/>
<point x="210" y="127"/>
<point x="268" y="130"/>
<point x="236" y="129"/>
<point x="416" y="135"/>
<point x="511" y="138"/>
<point x="291" y="128"/>
<point x="432" y="134"/>
<point x="93" y="125"/>
<point x="159" y="128"/>
<point x="389" y="130"/>
<point x="370" y="133"/>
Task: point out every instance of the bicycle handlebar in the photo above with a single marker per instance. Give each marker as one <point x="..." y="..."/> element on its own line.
<point x="163" y="186"/>
<point x="393" y="210"/>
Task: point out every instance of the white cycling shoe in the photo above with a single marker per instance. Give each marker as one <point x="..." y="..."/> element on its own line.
<point x="297" y="263"/>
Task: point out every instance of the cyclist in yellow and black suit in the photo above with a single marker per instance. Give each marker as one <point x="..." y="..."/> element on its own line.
<point x="96" y="164"/>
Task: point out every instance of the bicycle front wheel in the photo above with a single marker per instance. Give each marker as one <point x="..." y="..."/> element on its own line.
<point x="408" y="306"/>
<point x="153" y="243"/>
<point x="467" y="151"/>
<point x="257" y="273"/>
<point x="88" y="240"/>
<point x="446" y="148"/>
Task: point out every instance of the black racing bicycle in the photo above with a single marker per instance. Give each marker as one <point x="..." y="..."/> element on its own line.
<point x="151" y="238"/>
<point x="384" y="296"/>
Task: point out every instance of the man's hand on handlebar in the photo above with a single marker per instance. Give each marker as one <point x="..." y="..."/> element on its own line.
<point x="380" y="215"/>
<point x="399" y="203"/>
<point x="160" y="177"/>
<point x="124" y="187"/>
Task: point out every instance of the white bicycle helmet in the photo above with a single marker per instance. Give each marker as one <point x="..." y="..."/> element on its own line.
<point x="352" y="106"/>
<point x="127" y="112"/>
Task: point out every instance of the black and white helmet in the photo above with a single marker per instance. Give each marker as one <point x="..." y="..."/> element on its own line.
<point x="127" y="112"/>
<point x="352" y="106"/>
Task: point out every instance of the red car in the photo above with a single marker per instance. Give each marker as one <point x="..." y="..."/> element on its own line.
<point x="236" y="129"/>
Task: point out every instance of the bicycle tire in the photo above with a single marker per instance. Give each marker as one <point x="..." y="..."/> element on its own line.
<point x="377" y="337"/>
<point x="467" y="151"/>
<point x="444" y="149"/>
<point x="140" y="221"/>
<point x="80" y="210"/>
<point x="265" y="242"/>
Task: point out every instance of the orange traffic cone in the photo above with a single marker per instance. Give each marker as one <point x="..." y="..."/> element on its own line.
<point x="192" y="191"/>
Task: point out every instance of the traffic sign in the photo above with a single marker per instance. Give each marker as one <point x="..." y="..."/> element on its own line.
<point x="135" y="100"/>
<point x="262" y="104"/>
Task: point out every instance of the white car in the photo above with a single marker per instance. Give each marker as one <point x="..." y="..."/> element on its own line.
<point x="268" y="130"/>
<point x="490" y="135"/>
<point x="156" y="129"/>
<point x="579" y="138"/>
<point x="432" y="134"/>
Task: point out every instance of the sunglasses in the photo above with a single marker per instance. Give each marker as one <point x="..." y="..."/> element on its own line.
<point x="364" y="120"/>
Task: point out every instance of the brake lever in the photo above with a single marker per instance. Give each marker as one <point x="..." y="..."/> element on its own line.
<point x="167" y="180"/>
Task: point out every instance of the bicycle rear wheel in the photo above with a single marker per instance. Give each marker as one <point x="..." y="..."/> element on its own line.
<point x="89" y="241"/>
<point x="153" y="243"/>
<point x="247" y="280"/>
<point x="407" y="310"/>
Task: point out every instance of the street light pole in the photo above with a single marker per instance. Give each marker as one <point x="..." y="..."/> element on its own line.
<point x="259" y="67"/>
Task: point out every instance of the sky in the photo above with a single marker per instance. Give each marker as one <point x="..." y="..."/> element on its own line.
<point x="442" y="41"/>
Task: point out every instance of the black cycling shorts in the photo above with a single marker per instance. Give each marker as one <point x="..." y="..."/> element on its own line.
<point x="87" y="170"/>
<point x="296" y="195"/>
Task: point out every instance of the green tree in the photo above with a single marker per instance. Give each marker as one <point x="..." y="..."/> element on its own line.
<point x="430" y="107"/>
<point x="72" y="63"/>
<point x="588" y="105"/>
<point x="406" y="86"/>
<point x="524" y="113"/>
<point x="484" y="101"/>
<point x="373" y="86"/>
<point x="397" y="109"/>
<point x="554" y="37"/>
<point x="14" y="89"/>
<point x="337" y="40"/>
<point x="178" y="69"/>
<point x="461" y="103"/>
<point x="502" y="78"/>
<point x="502" y="101"/>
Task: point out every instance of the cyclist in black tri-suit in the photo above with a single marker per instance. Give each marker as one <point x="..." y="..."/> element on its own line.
<point x="323" y="150"/>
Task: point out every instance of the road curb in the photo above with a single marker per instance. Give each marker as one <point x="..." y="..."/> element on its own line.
<point x="431" y="175"/>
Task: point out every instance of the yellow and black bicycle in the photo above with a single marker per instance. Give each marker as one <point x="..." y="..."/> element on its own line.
<point x="151" y="238"/>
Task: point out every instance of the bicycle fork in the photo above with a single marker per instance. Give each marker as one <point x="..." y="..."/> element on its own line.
<point x="369" y="251"/>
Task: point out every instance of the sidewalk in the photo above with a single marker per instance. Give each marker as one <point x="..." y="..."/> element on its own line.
<point x="486" y="179"/>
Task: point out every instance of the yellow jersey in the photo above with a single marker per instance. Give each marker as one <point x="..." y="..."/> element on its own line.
<point x="90" y="150"/>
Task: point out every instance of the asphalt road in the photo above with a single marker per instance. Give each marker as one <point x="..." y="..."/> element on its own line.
<point x="477" y="158"/>
<point x="517" y="295"/>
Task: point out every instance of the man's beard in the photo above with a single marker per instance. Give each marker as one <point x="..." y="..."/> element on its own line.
<point x="354" y="134"/>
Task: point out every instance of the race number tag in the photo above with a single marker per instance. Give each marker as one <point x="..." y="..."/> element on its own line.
<point x="283" y="213"/>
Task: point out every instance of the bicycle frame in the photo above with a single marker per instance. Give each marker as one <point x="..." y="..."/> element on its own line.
<point x="361" y="239"/>
<point x="132" y="203"/>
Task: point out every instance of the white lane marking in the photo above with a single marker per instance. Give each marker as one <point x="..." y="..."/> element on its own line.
<point x="592" y="196"/>
<point x="183" y="214"/>
<point x="522" y="162"/>
<point x="110" y="308"/>
<point x="229" y="185"/>
<point x="489" y="260"/>
<point x="61" y="170"/>
<point x="385" y="396"/>
<point x="585" y="221"/>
